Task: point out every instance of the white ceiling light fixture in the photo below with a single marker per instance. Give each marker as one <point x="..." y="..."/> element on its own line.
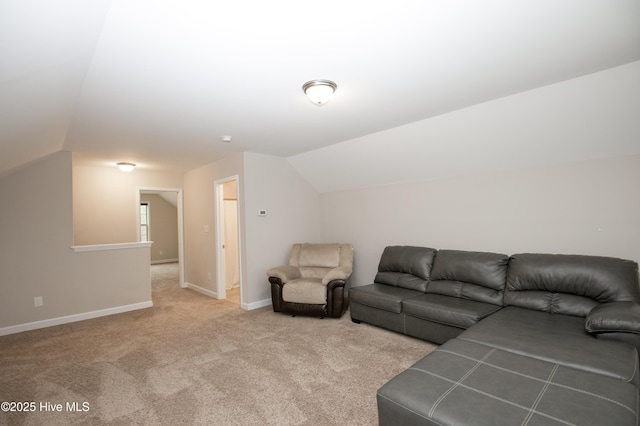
<point x="319" y="91"/>
<point x="126" y="167"/>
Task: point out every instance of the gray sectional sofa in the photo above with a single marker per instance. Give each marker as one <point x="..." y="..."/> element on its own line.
<point x="525" y="339"/>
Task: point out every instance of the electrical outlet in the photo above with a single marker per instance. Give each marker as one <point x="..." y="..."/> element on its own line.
<point x="209" y="275"/>
<point x="37" y="301"/>
<point x="161" y="252"/>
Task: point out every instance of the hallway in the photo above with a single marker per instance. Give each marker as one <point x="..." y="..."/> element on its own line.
<point x="165" y="284"/>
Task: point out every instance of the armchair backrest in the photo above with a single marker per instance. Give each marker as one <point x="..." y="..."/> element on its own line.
<point x="315" y="260"/>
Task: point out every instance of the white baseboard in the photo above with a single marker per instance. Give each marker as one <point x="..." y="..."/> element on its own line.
<point x="202" y="290"/>
<point x="156" y="262"/>
<point x="256" y="305"/>
<point x="73" y="318"/>
<point x="244" y="306"/>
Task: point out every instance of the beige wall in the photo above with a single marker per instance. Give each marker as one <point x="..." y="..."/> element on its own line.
<point x="591" y="207"/>
<point x="266" y="183"/>
<point x="293" y="215"/>
<point x="104" y="202"/>
<point x="37" y="258"/>
<point x="163" y="228"/>
<point x="110" y="279"/>
<point x="37" y="233"/>
<point x="199" y="213"/>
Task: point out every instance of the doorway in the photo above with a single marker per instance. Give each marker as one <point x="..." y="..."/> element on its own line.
<point x="229" y="277"/>
<point x="170" y="197"/>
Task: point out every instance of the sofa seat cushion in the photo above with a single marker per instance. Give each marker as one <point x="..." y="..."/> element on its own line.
<point x="448" y="310"/>
<point x="305" y="290"/>
<point x="382" y="296"/>
<point x="465" y="383"/>
<point x="560" y="339"/>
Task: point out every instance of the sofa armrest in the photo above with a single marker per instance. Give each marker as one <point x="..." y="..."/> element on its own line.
<point x="284" y="273"/>
<point x="614" y="317"/>
<point x="339" y="273"/>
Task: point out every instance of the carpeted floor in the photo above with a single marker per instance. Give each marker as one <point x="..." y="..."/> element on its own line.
<point x="194" y="360"/>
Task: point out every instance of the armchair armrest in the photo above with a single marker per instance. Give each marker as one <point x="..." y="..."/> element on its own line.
<point x="339" y="273"/>
<point x="284" y="273"/>
<point x="614" y="317"/>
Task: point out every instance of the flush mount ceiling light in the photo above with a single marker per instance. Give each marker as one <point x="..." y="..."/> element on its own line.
<point x="126" y="167"/>
<point x="319" y="91"/>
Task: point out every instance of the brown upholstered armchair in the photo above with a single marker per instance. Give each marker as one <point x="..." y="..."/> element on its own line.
<point x="315" y="282"/>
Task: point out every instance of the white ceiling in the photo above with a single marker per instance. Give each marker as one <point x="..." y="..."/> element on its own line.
<point x="159" y="82"/>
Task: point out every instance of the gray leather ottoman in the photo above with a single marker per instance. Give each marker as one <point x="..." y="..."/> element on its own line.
<point x="468" y="383"/>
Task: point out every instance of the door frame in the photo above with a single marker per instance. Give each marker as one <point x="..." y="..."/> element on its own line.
<point x="221" y="286"/>
<point x="180" y="224"/>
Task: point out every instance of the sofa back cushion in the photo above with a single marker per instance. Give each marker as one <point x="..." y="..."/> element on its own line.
<point x="406" y="266"/>
<point x="479" y="276"/>
<point x="569" y="284"/>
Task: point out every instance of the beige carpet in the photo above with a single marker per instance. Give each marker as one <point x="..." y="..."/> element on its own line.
<point x="194" y="360"/>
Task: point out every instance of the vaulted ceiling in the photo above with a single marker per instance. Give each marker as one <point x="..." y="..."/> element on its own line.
<point x="159" y="82"/>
